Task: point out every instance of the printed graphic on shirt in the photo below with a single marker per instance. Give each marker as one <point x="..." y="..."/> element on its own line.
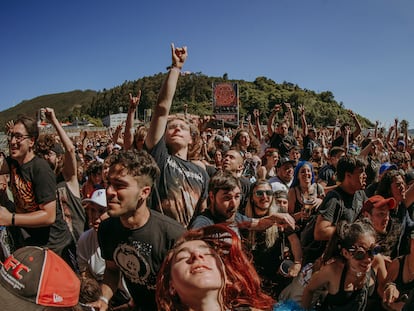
<point x="184" y="192"/>
<point x="133" y="263"/>
<point x="23" y="193"/>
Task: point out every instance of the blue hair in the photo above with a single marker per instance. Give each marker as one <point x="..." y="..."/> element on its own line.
<point x="295" y="181"/>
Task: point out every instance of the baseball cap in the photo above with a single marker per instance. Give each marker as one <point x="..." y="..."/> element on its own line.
<point x="116" y="146"/>
<point x="284" y="160"/>
<point x="387" y="166"/>
<point x="409" y="176"/>
<point x="377" y="201"/>
<point x="218" y="138"/>
<point x="281" y="194"/>
<point x="89" y="155"/>
<point x="401" y="143"/>
<point x="33" y="278"/>
<point x="57" y="148"/>
<point x="97" y="197"/>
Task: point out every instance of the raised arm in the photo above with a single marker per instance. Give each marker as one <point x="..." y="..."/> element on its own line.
<point x="258" y="128"/>
<point x="397" y="132"/>
<point x="389" y="145"/>
<point x="376" y="129"/>
<point x="271" y="120"/>
<point x="303" y="119"/>
<point x="358" y="127"/>
<point x="165" y="97"/>
<point x="129" y="123"/>
<point x="116" y="135"/>
<point x="290" y="115"/>
<point x="70" y="169"/>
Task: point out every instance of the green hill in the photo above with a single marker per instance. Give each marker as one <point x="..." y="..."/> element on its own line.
<point x="195" y="90"/>
<point x="66" y="105"/>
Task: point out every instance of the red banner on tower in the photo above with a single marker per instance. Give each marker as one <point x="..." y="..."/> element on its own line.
<point x="226" y="101"/>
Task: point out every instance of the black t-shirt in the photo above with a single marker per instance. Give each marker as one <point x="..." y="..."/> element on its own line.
<point x="139" y="253"/>
<point x="182" y="186"/>
<point x="308" y="146"/>
<point x="70" y="220"/>
<point x="339" y="141"/>
<point x="351" y="205"/>
<point x="32" y="184"/>
<point x="327" y="173"/>
<point x="283" y="143"/>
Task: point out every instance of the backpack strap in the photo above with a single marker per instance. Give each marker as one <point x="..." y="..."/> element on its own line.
<point x="338" y="211"/>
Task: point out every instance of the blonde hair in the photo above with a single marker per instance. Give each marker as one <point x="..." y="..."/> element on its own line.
<point x="272" y="233"/>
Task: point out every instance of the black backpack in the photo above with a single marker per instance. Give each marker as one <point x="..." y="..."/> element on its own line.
<point x="311" y="248"/>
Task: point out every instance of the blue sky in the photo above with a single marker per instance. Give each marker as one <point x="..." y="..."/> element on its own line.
<point x="360" y="50"/>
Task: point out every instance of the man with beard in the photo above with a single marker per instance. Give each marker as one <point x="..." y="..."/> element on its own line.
<point x="224" y="201"/>
<point x="233" y="163"/>
<point x="70" y="214"/>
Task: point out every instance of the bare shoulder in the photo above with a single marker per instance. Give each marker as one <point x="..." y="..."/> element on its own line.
<point x="334" y="266"/>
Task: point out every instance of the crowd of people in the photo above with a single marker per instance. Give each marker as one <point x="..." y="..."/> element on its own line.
<point x="179" y="215"/>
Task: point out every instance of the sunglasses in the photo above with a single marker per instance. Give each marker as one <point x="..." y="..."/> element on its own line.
<point x="359" y="253"/>
<point x="261" y="193"/>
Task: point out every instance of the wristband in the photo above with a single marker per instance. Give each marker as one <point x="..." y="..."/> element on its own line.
<point x="104" y="299"/>
<point x="13" y="220"/>
<point x="174" y="67"/>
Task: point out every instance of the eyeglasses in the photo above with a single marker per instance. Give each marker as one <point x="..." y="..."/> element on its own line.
<point x="359" y="253"/>
<point x="173" y="126"/>
<point x="261" y="193"/>
<point x="19" y="137"/>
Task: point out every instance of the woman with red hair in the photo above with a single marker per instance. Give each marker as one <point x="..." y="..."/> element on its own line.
<point x="208" y="270"/>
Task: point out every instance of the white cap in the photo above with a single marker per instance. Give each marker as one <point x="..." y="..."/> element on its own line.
<point x="98" y="197"/>
<point x="116" y="146"/>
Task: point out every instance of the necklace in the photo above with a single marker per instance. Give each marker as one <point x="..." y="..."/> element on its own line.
<point x="359" y="278"/>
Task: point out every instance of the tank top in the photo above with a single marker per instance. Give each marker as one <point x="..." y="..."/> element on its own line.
<point x="349" y="300"/>
<point x="404" y="288"/>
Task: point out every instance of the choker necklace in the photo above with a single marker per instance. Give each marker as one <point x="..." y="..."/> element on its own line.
<point x="358" y="274"/>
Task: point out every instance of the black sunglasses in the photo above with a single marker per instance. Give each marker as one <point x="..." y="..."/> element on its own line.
<point x="359" y="253"/>
<point x="261" y="193"/>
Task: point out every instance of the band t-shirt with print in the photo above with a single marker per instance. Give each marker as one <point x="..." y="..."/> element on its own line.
<point x="182" y="186"/>
<point x="32" y="184"/>
<point x="139" y="253"/>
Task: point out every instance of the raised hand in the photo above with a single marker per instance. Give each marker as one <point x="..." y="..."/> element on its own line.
<point x="179" y="55"/>
<point x="49" y="113"/>
<point x="351" y="113"/>
<point x="9" y="126"/>
<point x="134" y="100"/>
<point x="277" y="107"/>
